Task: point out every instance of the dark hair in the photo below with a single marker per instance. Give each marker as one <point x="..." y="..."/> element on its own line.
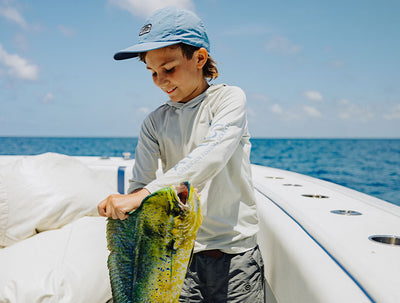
<point x="210" y="69"/>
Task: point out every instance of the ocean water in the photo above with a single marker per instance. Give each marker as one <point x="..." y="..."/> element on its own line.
<point x="371" y="166"/>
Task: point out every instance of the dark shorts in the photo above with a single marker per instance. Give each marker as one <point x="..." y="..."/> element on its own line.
<point x="225" y="278"/>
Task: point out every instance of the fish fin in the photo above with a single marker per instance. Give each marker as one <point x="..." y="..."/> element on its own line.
<point x="191" y="257"/>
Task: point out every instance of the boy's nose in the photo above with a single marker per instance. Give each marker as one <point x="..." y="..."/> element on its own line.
<point x="161" y="80"/>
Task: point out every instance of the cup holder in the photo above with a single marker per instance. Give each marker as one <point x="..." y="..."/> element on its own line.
<point x="386" y="239"/>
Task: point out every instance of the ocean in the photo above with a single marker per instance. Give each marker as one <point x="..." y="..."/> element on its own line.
<point x="371" y="166"/>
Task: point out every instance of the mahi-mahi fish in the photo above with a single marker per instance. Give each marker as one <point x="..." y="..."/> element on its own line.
<point x="151" y="249"/>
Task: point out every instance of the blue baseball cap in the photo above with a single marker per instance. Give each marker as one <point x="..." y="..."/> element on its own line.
<point x="165" y="27"/>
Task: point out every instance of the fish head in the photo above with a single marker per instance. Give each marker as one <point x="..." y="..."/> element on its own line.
<point x="186" y="211"/>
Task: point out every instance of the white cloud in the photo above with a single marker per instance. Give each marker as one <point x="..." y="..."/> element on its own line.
<point x="246" y="30"/>
<point x="312" y="111"/>
<point x="145" y="8"/>
<point x="313" y="95"/>
<point x="259" y="97"/>
<point x="48" y="98"/>
<point x="282" y="45"/>
<point x="276" y="109"/>
<point x="13" y="15"/>
<point x="66" y="31"/>
<point x="394" y="113"/>
<point x="21" y="41"/>
<point x="144" y="110"/>
<point x="251" y="113"/>
<point x="351" y="111"/>
<point x="337" y="63"/>
<point x="18" y="67"/>
<point x="284" y="115"/>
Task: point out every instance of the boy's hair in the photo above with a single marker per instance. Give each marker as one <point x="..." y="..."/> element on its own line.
<point x="210" y="69"/>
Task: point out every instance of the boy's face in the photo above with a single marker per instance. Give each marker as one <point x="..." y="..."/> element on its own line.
<point x="181" y="78"/>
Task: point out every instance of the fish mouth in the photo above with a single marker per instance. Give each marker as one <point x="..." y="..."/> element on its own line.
<point x="182" y="191"/>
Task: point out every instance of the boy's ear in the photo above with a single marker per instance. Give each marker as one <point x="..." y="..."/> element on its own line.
<point x="201" y="57"/>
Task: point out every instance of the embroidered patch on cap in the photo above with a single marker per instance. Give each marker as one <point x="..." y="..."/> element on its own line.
<point x="145" y="29"/>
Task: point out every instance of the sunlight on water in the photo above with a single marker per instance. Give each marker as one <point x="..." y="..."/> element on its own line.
<point x="369" y="166"/>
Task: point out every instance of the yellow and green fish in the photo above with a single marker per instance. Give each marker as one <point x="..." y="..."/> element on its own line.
<point x="151" y="249"/>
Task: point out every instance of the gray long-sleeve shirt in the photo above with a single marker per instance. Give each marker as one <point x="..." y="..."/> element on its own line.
<point x="204" y="141"/>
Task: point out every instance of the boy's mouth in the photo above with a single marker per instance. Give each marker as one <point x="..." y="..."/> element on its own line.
<point x="171" y="91"/>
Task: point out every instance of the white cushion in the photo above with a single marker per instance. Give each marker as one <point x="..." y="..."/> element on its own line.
<point x="64" y="265"/>
<point x="44" y="192"/>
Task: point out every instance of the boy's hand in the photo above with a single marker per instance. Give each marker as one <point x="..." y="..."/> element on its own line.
<point x="118" y="206"/>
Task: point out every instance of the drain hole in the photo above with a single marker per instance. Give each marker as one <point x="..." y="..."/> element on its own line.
<point x="272" y="177"/>
<point x="346" y="212"/>
<point x="316" y="196"/>
<point x="390" y="240"/>
<point x="295" y="185"/>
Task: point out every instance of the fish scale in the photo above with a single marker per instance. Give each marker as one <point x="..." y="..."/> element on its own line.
<point x="150" y="250"/>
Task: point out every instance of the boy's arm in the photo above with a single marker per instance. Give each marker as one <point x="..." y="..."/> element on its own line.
<point x="147" y="154"/>
<point x="117" y="206"/>
<point x="228" y="126"/>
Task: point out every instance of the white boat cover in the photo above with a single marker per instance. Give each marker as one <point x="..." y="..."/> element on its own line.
<point x="50" y="250"/>
<point x="64" y="266"/>
<point x="46" y="192"/>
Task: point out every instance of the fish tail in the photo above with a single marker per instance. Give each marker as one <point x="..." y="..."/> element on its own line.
<point x="120" y="259"/>
<point x="120" y="278"/>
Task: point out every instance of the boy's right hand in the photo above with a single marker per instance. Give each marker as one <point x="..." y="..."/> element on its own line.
<point x="118" y="206"/>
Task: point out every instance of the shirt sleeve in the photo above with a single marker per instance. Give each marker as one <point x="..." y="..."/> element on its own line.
<point x="211" y="156"/>
<point x="147" y="153"/>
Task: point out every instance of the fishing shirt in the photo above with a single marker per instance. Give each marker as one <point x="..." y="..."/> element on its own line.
<point x="204" y="141"/>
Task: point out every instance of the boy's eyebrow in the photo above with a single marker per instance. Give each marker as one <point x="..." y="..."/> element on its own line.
<point x="162" y="64"/>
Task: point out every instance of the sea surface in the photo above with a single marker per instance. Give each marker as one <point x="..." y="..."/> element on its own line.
<point x="371" y="166"/>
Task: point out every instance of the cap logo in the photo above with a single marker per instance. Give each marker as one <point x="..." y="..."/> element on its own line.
<point x="145" y="29"/>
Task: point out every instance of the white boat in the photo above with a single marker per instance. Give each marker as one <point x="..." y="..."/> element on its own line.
<point x="320" y="242"/>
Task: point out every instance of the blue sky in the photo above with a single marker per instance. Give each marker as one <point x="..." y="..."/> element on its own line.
<point x="309" y="68"/>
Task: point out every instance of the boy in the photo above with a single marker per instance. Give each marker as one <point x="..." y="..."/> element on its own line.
<point x="201" y="136"/>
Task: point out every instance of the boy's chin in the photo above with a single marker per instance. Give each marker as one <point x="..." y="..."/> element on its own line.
<point x="176" y="99"/>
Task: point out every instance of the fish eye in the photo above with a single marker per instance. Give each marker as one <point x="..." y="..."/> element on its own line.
<point x="176" y="211"/>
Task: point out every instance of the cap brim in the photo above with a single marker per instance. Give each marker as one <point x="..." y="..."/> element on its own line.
<point x="134" y="50"/>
